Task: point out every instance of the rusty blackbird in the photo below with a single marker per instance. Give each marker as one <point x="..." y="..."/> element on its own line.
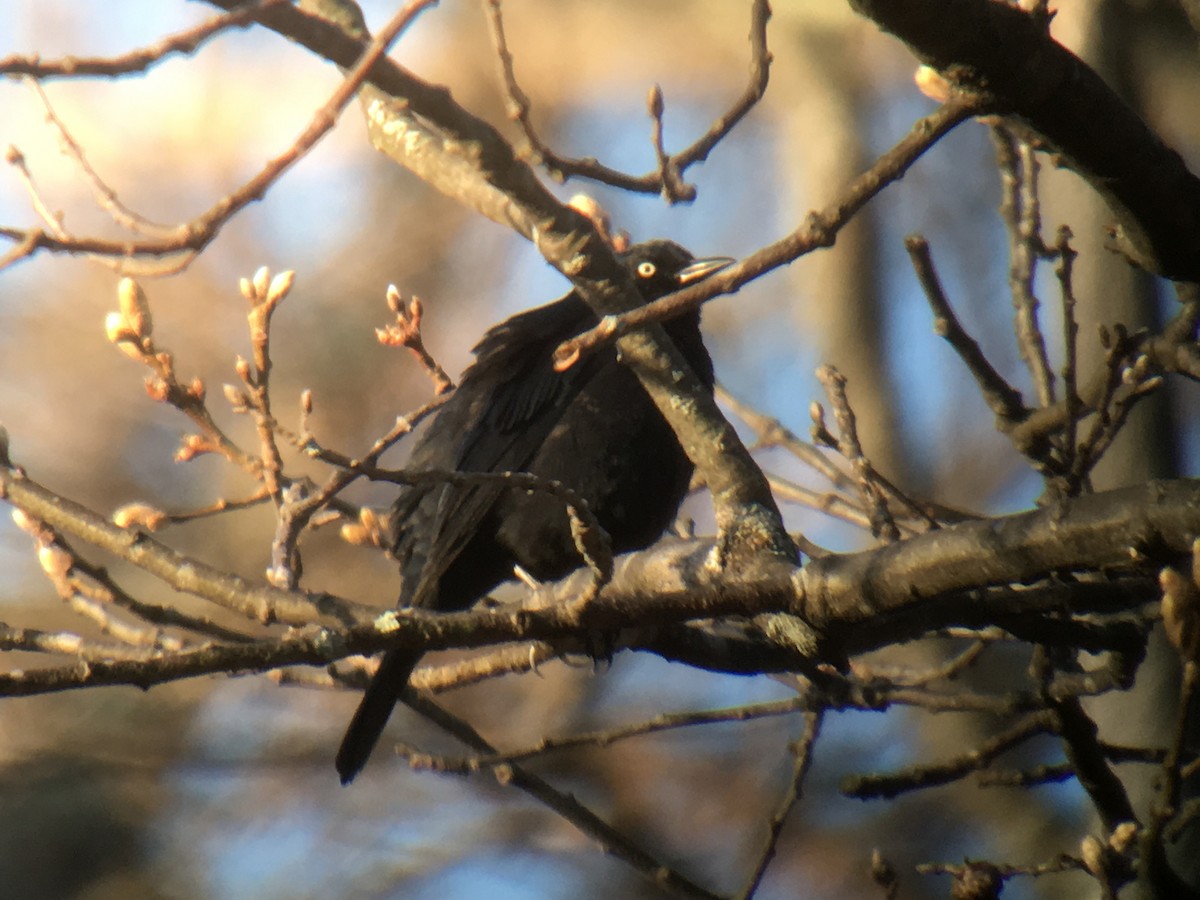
<point x="592" y="427"/>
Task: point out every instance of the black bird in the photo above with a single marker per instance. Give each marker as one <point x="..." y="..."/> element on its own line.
<point x="592" y="427"/>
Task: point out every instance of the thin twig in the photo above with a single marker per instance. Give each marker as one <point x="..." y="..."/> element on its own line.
<point x="517" y="659"/>
<point x="1118" y="347"/>
<point x="257" y="601"/>
<point x="135" y="61"/>
<point x="195" y="235"/>
<point x="667" y="178"/>
<point x="1002" y="398"/>
<point x="217" y="507"/>
<point x="674" y="188"/>
<point x="803" y="752"/>
<point x="562" y="804"/>
<point x="106" y="197"/>
<point x="349" y="469"/>
<point x="1066" y="259"/>
<point x="154" y="613"/>
<point x="264" y="294"/>
<point x="840" y="506"/>
<point x="947" y="670"/>
<point x="1171" y="784"/>
<point x="406" y="332"/>
<point x="883" y="525"/>
<point x="819" y="229"/>
<point x="53" y="220"/>
<point x="664" y="722"/>
<point x="865" y="787"/>
<point x="1020" y="211"/>
<point x="770" y="432"/>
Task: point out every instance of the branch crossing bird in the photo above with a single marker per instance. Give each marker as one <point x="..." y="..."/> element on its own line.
<point x="592" y="427"/>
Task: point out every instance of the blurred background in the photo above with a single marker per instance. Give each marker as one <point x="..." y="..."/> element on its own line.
<point x="225" y="787"/>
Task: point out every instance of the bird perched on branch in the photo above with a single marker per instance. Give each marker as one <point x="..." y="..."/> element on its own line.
<point x="592" y="427"/>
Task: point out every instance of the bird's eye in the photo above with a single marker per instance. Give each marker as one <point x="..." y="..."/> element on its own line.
<point x="646" y="269"/>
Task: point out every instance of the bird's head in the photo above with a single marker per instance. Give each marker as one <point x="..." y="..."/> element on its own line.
<point x="660" y="267"/>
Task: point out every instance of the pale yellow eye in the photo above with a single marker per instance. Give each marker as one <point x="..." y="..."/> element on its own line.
<point x="646" y="270"/>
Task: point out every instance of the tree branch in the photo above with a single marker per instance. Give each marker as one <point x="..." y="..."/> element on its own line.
<point x="998" y="49"/>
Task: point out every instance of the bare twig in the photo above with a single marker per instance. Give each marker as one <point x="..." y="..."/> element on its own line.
<point x="1002" y="398"/>
<point x="803" y="752"/>
<point x="1061" y="863"/>
<point x="106" y="197"/>
<point x="818" y="230"/>
<point x="667" y="179"/>
<point x="463" y="673"/>
<point x="664" y="722"/>
<point x="53" y="220"/>
<point x="951" y="668"/>
<point x="1166" y="817"/>
<point x="1111" y="407"/>
<point x="883" y="525"/>
<point x="194" y="236"/>
<point x="135" y="61"/>
<point x="884" y="874"/>
<point x="107" y="590"/>
<point x="564" y="805"/>
<point x="350" y="469"/>
<point x="674" y="188"/>
<point x="832" y="503"/>
<point x="770" y="432"/>
<point x="218" y="507"/>
<point x="1066" y="259"/>
<point x="866" y="787"/>
<point x="1080" y="738"/>
<point x="1020" y="210"/>
<point x="256" y="601"/>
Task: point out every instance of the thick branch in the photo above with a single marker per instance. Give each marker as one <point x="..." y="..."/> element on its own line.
<point x="1131" y="528"/>
<point x="998" y="49"/>
<point x="868" y="599"/>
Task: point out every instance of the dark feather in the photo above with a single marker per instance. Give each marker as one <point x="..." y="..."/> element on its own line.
<point x="591" y="427"/>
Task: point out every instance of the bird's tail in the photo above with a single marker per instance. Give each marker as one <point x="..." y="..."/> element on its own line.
<point x="373" y="712"/>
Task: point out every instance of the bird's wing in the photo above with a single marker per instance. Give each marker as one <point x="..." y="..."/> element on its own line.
<point x="516" y="394"/>
<point x="505" y="406"/>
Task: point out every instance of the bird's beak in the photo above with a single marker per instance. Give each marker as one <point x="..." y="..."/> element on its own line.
<point x="699" y="269"/>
